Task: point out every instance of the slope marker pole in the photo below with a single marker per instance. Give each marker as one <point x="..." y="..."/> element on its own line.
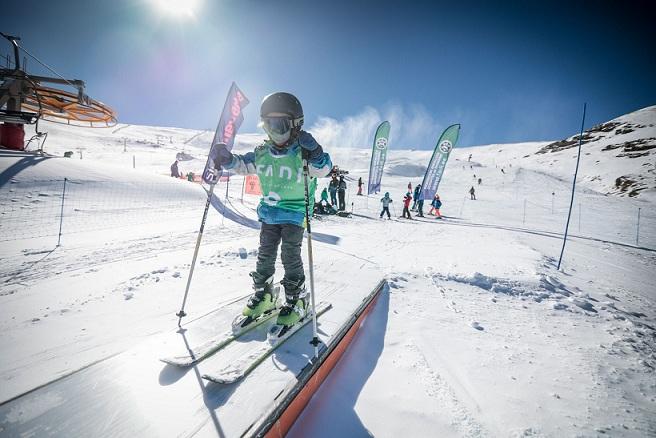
<point x="571" y="202"/>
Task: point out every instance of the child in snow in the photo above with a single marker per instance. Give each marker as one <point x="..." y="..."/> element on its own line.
<point x="435" y="206"/>
<point x="279" y="164"/>
<point x="386" y="202"/>
<point x="406" y="204"/>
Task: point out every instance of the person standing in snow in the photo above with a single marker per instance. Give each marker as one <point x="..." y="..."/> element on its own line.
<point x="332" y="188"/>
<point x="472" y="193"/>
<point x="420" y="207"/>
<point x="278" y="162"/>
<point x="175" y="173"/>
<point x="386" y="200"/>
<point x="406" y="204"/>
<point x="360" y="184"/>
<point x="435" y="206"/>
<point x="415" y="196"/>
<point x="409" y="187"/>
<point x="480" y="180"/>
<point x="341" y="193"/>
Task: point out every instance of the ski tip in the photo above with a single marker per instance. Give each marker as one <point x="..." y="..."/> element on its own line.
<point x="221" y="380"/>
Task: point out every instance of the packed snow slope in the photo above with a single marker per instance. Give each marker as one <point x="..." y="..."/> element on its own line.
<point x="477" y="334"/>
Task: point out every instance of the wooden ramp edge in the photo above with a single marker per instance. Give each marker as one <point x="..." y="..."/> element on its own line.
<point x="289" y="404"/>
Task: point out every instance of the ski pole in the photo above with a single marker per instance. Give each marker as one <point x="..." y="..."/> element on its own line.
<point x="182" y="313"/>
<point x="315" y="337"/>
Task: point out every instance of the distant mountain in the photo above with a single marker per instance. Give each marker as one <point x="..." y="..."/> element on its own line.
<point x="624" y="149"/>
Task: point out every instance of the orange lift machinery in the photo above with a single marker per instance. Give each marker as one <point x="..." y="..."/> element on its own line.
<point x="24" y="99"/>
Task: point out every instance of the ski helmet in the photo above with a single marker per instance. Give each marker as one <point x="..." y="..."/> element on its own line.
<point x="282" y="117"/>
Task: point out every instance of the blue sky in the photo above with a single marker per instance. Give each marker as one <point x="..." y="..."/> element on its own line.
<point x="508" y="72"/>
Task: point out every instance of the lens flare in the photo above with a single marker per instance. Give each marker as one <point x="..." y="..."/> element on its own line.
<point x="177" y="8"/>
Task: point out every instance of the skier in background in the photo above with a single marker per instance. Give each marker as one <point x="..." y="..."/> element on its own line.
<point x="175" y="173"/>
<point x="472" y="193"/>
<point x="415" y="196"/>
<point x="386" y="202"/>
<point x="332" y="188"/>
<point x="341" y="193"/>
<point x="282" y="207"/>
<point x="435" y="206"/>
<point x="480" y="180"/>
<point x="324" y="195"/>
<point x="406" y="204"/>
<point x="360" y="184"/>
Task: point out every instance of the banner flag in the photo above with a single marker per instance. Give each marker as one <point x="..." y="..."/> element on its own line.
<point x="378" y="156"/>
<point x="252" y="185"/>
<point x="438" y="161"/>
<point x="226" y="130"/>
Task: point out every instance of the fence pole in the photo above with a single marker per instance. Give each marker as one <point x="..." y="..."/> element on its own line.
<point x="638" y="227"/>
<point x="61" y="212"/>
<point x="243" y="185"/>
<point x="134" y="162"/>
<point x="571" y="202"/>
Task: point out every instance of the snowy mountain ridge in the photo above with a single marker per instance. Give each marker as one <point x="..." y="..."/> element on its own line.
<point x="617" y="155"/>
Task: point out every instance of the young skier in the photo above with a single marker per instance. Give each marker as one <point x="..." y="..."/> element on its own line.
<point x="279" y="164"/>
<point x="386" y="202"/>
<point x="435" y="206"/>
<point x="406" y="204"/>
<point x="360" y="184"/>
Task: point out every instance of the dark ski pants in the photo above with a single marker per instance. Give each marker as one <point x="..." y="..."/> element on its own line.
<point x="420" y="208"/>
<point x="385" y="210"/>
<point x="473" y="196"/>
<point x="291" y="237"/>
<point x="342" y="203"/>
<point x="333" y="198"/>
<point x="406" y="211"/>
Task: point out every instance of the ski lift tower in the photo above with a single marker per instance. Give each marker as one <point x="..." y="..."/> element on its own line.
<point x="24" y="100"/>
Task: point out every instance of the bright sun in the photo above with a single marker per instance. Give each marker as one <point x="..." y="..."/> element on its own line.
<point x="177" y="8"/>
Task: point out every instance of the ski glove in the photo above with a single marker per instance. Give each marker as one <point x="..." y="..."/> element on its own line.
<point x="311" y="149"/>
<point x="221" y="155"/>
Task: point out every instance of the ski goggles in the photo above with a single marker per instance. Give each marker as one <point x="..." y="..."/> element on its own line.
<point x="280" y="125"/>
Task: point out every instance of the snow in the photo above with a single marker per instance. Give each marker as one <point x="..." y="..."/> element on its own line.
<point x="477" y="333"/>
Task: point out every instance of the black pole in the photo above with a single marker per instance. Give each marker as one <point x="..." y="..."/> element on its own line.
<point x="61" y="213"/>
<point x="571" y="202"/>
<point x="182" y="313"/>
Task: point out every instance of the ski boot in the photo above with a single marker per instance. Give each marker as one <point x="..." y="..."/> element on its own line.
<point x="295" y="307"/>
<point x="262" y="301"/>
